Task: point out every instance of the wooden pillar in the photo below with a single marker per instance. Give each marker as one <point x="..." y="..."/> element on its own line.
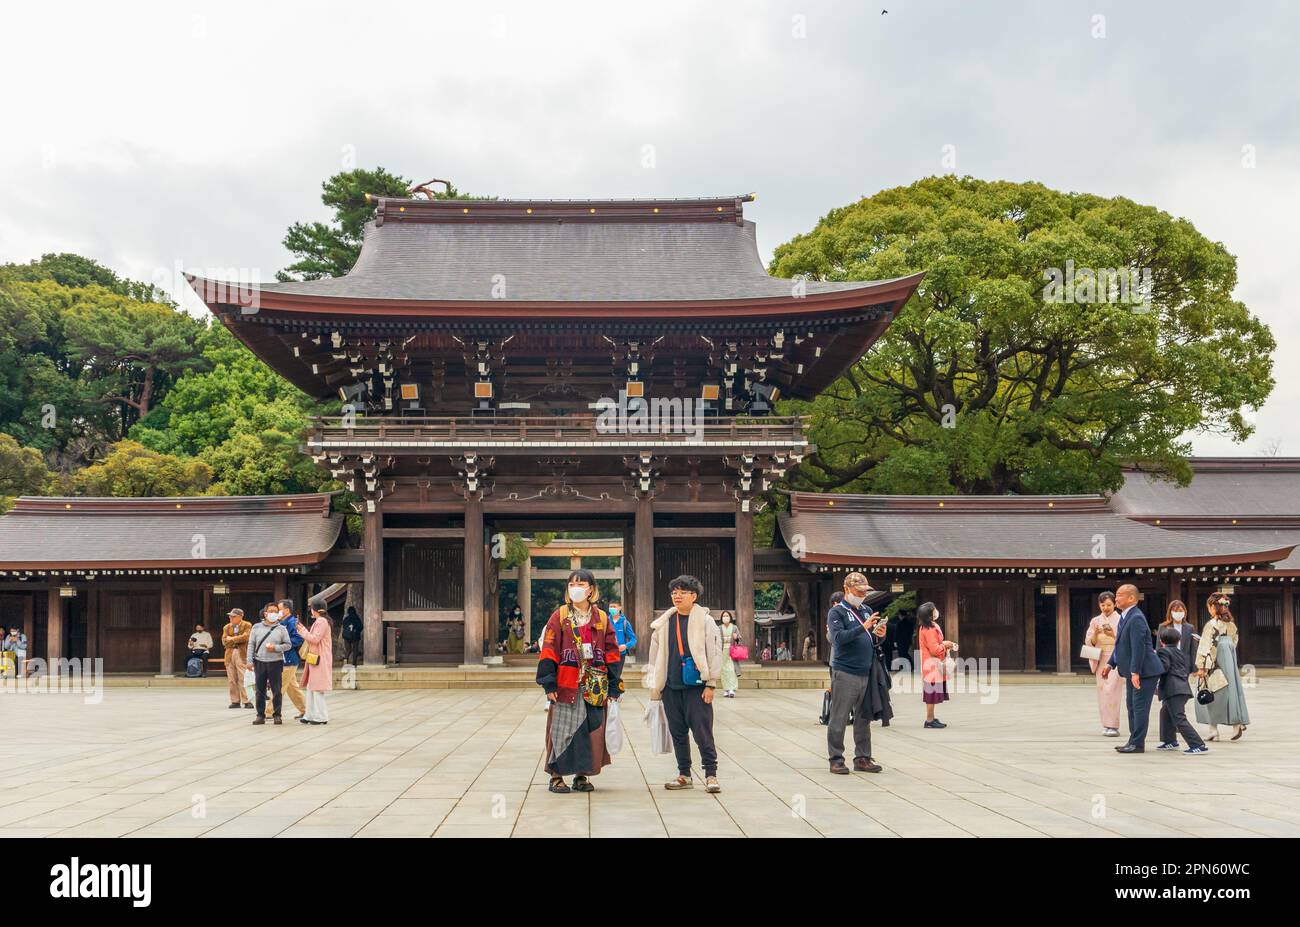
<point x="281" y="588"/>
<point x="745" y="575"/>
<point x="92" y="622"/>
<point x="29" y="625"/>
<point x="1176" y="592"/>
<point x="1031" y="626"/>
<point x="1063" y="626"/>
<point x="372" y="589"/>
<point x="643" y="572"/>
<point x="167" y="627"/>
<point x="525" y="593"/>
<point x="950" y="617"/>
<point x="1288" y="623"/>
<point x="53" y="629"/>
<point x="474" y="577"/>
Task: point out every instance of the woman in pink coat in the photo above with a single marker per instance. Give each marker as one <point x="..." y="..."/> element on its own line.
<point x="1110" y="690"/>
<point x="318" y="678"/>
<point x="934" y="655"/>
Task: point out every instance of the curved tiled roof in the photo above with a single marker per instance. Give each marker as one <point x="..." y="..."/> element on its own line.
<point x="549" y="251"/>
<point x="183" y="533"/>
<point x="1078" y="532"/>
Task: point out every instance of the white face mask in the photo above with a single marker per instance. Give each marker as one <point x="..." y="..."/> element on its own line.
<point x="726" y="619"/>
<point x="854" y="600"/>
<point x="1179" y="616"/>
<point x="578" y="594"/>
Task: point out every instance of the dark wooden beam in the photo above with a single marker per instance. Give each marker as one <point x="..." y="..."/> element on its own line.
<point x="372" y="596"/>
<point x="167" y="627"/>
<point x="745" y="575"/>
<point x="474" y="582"/>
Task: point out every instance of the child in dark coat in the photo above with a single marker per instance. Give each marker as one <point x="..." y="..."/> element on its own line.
<point x="1173" y="692"/>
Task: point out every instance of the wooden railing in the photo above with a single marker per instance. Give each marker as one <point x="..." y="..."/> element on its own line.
<point x="535" y="429"/>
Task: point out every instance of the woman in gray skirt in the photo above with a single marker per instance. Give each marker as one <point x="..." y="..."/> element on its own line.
<point x="1217" y="670"/>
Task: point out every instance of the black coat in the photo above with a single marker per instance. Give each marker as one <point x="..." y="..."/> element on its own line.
<point x="1173" y="681"/>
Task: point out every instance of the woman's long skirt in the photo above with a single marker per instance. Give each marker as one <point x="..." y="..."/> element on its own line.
<point x="1110" y="694"/>
<point x="729" y="681"/>
<point x="575" y="739"/>
<point x="1229" y="705"/>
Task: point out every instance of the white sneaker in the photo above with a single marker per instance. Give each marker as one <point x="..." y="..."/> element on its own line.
<point x="1110" y="732"/>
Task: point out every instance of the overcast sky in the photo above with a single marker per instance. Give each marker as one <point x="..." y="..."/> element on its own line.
<point x="147" y="135"/>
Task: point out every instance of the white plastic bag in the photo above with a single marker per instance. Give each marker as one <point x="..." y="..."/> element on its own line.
<point x="614" y="735"/>
<point x="250" y="683"/>
<point x="661" y="741"/>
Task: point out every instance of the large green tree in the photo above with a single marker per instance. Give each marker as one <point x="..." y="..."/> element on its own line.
<point x="991" y="379"/>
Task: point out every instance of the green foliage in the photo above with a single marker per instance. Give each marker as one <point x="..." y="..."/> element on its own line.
<point x="330" y="249"/>
<point x="130" y="469"/>
<point x="981" y="385"/>
<point x="240" y="417"/>
<point x="22" y="471"/>
<point x="905" y="601"/>
<point x="79" y="363"/>
<point x="767" y="596"/>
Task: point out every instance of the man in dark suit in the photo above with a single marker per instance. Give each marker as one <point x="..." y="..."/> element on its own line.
<point x="1174" y="692"/>
<point x="1135" y="659"/>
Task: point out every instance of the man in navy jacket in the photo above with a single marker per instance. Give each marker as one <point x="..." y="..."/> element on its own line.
<point x="1135" y="659"/>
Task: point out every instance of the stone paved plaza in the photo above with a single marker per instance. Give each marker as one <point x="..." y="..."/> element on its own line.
<point x="415" y="763"/>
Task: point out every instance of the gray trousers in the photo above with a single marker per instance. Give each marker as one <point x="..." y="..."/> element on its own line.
<point x="849" y="693"/>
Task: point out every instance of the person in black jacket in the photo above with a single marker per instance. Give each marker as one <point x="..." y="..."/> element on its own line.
<point x="1174" y="691"/>
<point x="850" y="624"/>
<point x="352" y="631"/>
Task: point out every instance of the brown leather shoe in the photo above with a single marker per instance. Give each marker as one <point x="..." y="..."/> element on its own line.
<point x="865" y="764"/>
<point x="838" y="767"/>
<point x="259" y="720"/>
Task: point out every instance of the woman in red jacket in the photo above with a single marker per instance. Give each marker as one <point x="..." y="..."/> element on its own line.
<point x="579" y="668"/>
<point x="934" y="651"/>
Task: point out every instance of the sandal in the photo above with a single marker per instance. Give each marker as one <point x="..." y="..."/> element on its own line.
<point x="557" y="786"/>
<point x="580" y="784"/>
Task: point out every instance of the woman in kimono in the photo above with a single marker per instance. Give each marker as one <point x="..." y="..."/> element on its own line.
<point x="579" y="668"/>
<point x="517" y="635"/>
<point x="1102" y="633"/>
<point x="730" y="679"/>
<point x="318" y="677"/>
<point x="1217" y="669"/>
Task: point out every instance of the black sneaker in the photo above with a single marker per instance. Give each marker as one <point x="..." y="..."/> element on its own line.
<point x="936" y="723"/>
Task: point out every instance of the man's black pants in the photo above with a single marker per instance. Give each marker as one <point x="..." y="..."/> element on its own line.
<point x="1173" y="717"/>
<point x="686" y="711"/>
<point x="1138" y="702"/>
<point x="268" y="673"/>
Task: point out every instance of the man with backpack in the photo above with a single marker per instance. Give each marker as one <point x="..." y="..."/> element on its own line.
<point x="622" y="628"/>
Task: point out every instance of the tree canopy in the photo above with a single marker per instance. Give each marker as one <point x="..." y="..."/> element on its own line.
<point x="997" y="378"/>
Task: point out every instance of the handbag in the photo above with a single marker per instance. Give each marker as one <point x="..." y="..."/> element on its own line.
<point x="1203" y="694"/>
<point x="593" y="681"/>
<point x="690" y="672"/>
<point x="311" y="659"/>
<point x="1090" y="653"/>
<point x="739" y="652"/>
<point x="614" y="735"/>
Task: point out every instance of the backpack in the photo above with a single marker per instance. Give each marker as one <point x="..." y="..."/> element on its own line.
<point x="193" y="667"/>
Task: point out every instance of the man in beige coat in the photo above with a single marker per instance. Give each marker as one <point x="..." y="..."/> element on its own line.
<point x="685" y="661"/>
<point x="234" y="638"/>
